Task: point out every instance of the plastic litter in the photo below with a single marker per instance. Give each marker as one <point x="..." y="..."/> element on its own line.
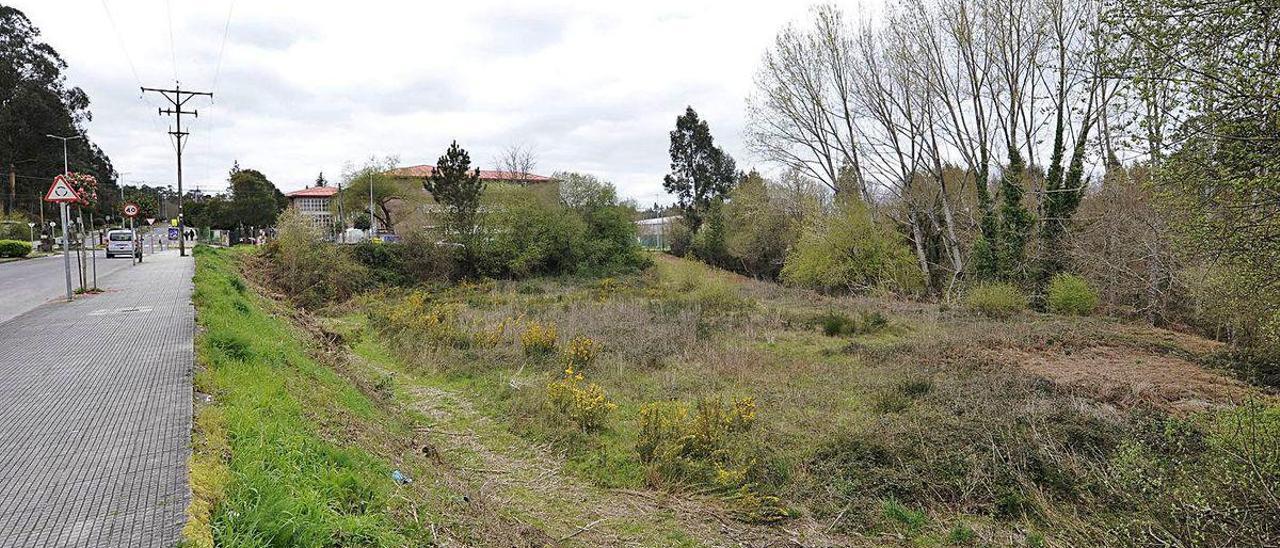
<point x="400" y="477"/>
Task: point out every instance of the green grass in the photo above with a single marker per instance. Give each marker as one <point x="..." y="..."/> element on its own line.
<point x="270" y="463"/>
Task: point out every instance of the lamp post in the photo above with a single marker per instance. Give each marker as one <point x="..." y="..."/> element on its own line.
<point x="32" y="228"/>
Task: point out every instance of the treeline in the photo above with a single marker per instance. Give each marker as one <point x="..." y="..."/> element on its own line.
<point x="1010" y="141"/>
<point x="474" y="230"/>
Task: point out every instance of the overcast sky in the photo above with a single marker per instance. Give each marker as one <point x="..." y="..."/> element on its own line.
<point x="304" y="87"/>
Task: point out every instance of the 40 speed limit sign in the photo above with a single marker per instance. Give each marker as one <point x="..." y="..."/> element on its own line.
<point x="131" y="210"/>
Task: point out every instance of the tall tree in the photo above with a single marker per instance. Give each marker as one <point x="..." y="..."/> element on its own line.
<point x="255" y="200"/>
<point x="457" y="187"/>
<point x="35" y="101"/>
<point x="320" y="180"/>
<point x="701" y="173"/>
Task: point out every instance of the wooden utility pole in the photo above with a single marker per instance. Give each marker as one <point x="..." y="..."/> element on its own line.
<point x="177" y="97"/>
<point x="13" y="184"/>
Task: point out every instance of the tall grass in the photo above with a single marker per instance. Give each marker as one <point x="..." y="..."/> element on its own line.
<point x="265" y="472"/>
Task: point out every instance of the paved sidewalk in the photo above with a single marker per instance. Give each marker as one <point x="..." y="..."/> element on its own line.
<point x="95" y="413"/>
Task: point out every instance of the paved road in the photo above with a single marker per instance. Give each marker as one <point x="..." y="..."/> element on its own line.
<point x="95" y="413"/>
<point x="27" y="284"/>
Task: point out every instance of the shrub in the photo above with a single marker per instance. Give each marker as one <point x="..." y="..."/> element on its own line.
<point x="850" y="251"/>
<point x="309" y="270"/>
<point x="1070" y="294"/>
<point x="996" y="300"/>
<point x="14" y="248"/>
<point x="681" y="445"/>
<point x="838" y="323"/>
<point x="538" y="339"/>
<point x="583" y="403"/>
<point x="581" y="351"/>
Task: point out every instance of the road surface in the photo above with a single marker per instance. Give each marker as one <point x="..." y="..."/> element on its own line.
<point x="95" y="409"/>
<point x="30" y="283"/>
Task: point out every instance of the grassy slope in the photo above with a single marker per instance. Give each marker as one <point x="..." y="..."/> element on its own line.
<point x="298" y="442"/>
<point x="921" y="430"/>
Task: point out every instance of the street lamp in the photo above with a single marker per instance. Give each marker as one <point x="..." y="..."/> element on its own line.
<point x="64" y="140"/>
<point x="32" y="228"/>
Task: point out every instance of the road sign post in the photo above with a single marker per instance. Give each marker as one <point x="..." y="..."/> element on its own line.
<point x="61" y="193"/>
<point x="131" y="210"/>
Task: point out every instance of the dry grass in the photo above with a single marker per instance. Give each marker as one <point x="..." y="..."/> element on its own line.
<point x="1003" y="427"/>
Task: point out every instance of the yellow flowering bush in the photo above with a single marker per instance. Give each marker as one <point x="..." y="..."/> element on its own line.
<point x="583" y="403"/>
<point x="581" y="352"/>
<point x="673" y="429"/>
<point x="538" y="338"/>
<point x="491" y="335"/>
<point x="417" y="318"/>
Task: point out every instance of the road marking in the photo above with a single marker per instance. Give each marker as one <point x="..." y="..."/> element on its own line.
<point x="111" y="311"/>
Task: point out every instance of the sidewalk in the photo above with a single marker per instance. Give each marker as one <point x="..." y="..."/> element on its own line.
<point x="95" y="413"/>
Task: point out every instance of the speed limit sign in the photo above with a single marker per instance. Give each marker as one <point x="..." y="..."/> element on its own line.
<point x="131" y="210"/>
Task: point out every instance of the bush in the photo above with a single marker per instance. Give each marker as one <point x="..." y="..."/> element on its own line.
<point x="539" y="339"/>
<point x="581" y="352"/>
<point x="1070" y="294"/>
<point x="996" y="300"/>
<point x="14" y="248"/>
<point x="583" y="403"/>
<point x="311" y="271"/>
<point x="838" y="323"/>
<point x="531" y="237"/>
<point x="850" y="251"/>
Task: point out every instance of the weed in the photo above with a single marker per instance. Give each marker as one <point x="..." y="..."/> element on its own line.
<point x="961" y="535"/>
<point x="231" y="345"/>
<point x="538" y="339"/>
<point x="583" y="403"/>
<point x="837" y="324"/>
<point x="581" y="352"/>
<point x="895" y="511"/>
<point x="385" y="387"/>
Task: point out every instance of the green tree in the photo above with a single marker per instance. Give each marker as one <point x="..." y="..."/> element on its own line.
<point x="758" y="229"/>
<point x="35" y="101"/>
<point x="848" y="250"/>
<point x="700" y="172"/>
<point x="457" y="187"/>
<point x="386" y="190"/>
<point x="582" y="191"/>
<point x="255" y="200"/>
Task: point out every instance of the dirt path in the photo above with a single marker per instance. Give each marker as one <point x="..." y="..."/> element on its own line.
<point x="525" y="483"/>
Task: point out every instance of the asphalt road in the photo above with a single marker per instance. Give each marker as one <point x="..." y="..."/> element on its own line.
<point x="95" y="407"/>
<point x="27" y="284"/>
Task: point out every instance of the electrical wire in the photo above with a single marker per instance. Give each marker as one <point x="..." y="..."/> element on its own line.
<point x="226" y="29"/>
<point x="173" y="49"/>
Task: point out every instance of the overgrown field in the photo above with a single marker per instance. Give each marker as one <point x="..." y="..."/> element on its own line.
<point x="687" y="406"/>
<point x="873" y="419"/>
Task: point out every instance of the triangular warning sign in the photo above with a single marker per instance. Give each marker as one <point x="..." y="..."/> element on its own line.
<point x="61" y="191"/>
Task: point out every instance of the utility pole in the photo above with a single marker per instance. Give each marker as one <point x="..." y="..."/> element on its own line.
<point x="13" y="183"/>
<point x="177" y="97"/>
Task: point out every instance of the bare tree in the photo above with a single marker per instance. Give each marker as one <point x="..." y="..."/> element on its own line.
<point x="516" y="163"/>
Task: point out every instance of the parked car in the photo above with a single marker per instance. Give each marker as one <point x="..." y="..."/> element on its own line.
<point x="120" y="242"/>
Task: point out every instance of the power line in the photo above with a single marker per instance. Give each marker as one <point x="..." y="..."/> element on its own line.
<point x="226" y="28"/>
<point x="173" y="49"/>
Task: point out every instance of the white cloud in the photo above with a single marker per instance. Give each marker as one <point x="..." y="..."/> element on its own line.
<point x="308" y="86"/>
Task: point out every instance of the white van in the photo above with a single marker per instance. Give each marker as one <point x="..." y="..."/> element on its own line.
<point x="120" y="242"/>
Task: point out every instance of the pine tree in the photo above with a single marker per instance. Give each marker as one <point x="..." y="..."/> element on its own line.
<point x="700" y="171"/>
<point x="320" y="180"/>
<point x="457" y="187"/>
